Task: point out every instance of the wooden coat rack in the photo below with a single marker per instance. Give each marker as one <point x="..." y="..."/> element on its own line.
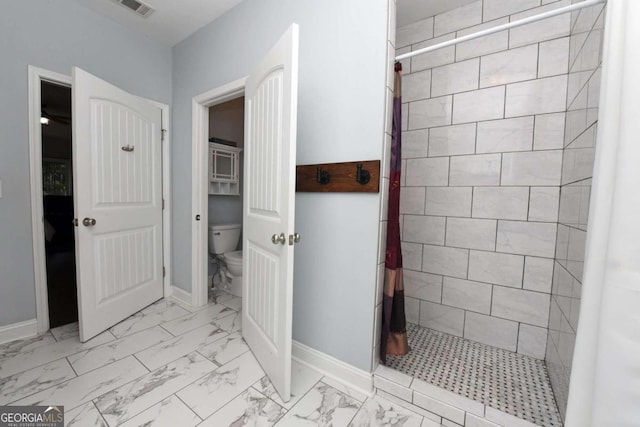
<point x="352" y="177"/>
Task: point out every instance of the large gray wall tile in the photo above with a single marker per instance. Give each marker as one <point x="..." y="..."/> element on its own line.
<point x="474" y="296"/>
<point x="477" y="105"/>
<point x="448" y="201"/>
<point x="452" y="140"/>
<point x="493" y="9"/>
<point x="536" y="97"/>
<point x="498" y="268"/>
<point x="501" y="202"/>
<point x="510" y="66"/>
<point x="430" y="112"/>
<point x="427" y="172"/>
<point x="423" y="286"/>
<point x="456" y="77"/>
<point x="492" y="331"/>
<point x="424" y="229"/>
<point x="532" y="168"/>
<point x="446" y="261"/>
<point x="442" y="318"/>
<point x="532" y="341"/>
<point x="471" y="233"/>
<point x="498" y="136"/>
<point x="482" y="169"/>
<point x="526" y="238"/>
<point x="521" y="306"/>
<point x="415" y="32"/>
<point x="458" y="18"/>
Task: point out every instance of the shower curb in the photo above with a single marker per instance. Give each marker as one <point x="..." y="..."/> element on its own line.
<point x="438" y="404"/>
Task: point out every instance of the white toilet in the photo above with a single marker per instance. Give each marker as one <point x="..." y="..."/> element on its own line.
<point x="223" y="240"/>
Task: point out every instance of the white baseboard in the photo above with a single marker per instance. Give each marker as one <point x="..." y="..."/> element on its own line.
<point x="20" y="330"/>
<point x="351" y="376"/>
<point x="182" y="297"/>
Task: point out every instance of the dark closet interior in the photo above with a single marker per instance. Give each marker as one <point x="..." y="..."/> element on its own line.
<point x="57" y="186"/>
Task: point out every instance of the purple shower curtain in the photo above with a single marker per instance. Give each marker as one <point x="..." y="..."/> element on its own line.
<point x="394" y="332"/>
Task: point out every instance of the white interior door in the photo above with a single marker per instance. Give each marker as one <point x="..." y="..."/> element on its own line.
<point x="271" y="99"/>
<point x="117" y="182"/>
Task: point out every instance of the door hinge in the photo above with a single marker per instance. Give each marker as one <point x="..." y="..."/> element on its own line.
<point x="164" y="271"/>
<point x="163" y="131"/>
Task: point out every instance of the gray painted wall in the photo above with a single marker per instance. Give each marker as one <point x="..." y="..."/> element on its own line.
<point x="54" y="35"/>
<point x="340" y="118"/>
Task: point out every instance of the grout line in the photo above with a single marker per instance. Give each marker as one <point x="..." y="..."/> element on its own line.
<point x="430" y="82"/>
<point x="162" y="326"/>
<point x="504" y="105"/>
<point x="146" y="367"/>
<point x="529" y="204"/>
<point x="71" y="365"/>
<point x="491" y="302"/>
<point x="212" y="361"/>
<point x="185" y="404"/>
<point x="538" y="53"/>
<point x="100" y="413"/>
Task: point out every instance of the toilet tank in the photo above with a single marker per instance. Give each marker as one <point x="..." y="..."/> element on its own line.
<point x="223" y="238"/>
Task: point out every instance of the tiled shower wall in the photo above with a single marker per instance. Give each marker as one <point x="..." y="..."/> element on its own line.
<point x="482" y="146"/>
<point x="585" y="59"/>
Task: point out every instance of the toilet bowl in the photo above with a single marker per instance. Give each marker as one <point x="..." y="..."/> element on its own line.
<point x="223" y="241"/>
<point x="234" y="262"/>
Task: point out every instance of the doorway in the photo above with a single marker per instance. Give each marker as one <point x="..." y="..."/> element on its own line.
<point x="226" y="141"/>
<point x="41" y="231"/>
<point x="200" y="179"/>
<point x="57" y="189"/>
<point x="270" y="130"/>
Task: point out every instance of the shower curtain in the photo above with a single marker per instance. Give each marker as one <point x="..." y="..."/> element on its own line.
<point x="394" y="332"/>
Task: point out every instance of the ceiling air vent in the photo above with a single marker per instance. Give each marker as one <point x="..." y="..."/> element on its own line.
<point x="140" y="8"/>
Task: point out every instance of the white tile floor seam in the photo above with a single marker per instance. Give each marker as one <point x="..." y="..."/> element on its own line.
<point x="171" y="365"/>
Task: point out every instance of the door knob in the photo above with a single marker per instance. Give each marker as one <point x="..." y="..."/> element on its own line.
<point x="294" y="238"/>
<point x="88" y="222"/>
<point x="278" y="239"/>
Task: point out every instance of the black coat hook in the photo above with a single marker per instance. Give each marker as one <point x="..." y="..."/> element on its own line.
<point x="323" y="176"/>
<point x="362" y="176"/>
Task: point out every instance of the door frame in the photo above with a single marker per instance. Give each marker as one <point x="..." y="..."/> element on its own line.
<point x="36" y="77"/>
<point x="199" y="183"/>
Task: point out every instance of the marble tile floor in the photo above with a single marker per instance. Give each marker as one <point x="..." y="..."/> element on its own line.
<point x="168" y="365"/>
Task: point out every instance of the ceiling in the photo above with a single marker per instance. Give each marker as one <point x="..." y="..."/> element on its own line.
<point x="171" y="22"/>
<point x="410" y="11"/>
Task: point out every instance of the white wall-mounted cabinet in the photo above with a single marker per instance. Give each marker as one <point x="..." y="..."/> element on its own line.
<point x="224" y="167"/>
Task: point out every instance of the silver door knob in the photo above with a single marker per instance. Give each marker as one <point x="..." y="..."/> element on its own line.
<point x="88" y="222"/>
<point x="278" y="239"/>
<point x="294" y="238"/>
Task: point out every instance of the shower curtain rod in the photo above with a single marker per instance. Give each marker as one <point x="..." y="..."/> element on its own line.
<point x="498" y="28"/>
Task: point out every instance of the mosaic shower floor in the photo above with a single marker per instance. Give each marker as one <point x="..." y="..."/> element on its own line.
<point x="510" y="382"/>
